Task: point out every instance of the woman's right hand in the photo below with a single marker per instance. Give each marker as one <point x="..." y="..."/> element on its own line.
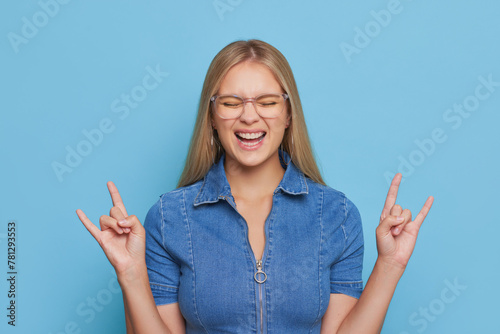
<point x="121" y="237"/>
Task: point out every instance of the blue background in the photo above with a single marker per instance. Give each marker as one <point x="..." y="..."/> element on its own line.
<point x="364" y="111"/>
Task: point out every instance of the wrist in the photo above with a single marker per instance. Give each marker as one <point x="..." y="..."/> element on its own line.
<point x="390" y="266"/>
<point x="134" y="274"/>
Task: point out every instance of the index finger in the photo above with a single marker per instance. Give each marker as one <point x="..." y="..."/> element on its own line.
<point x="116" y="198"/>
<point x="392" y="194"/>
<point x="94" y="230"/>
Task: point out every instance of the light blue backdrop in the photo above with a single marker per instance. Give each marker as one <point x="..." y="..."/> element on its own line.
<point x="387" y="86"/>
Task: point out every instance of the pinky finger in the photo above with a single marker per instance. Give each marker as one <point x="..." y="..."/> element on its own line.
<point x="94" y="230"/>
<point x="425" y="210"/>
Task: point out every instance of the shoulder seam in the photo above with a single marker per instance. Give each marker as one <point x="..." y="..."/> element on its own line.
<point x="345" y="219"/>
<point x="162" y="223"/>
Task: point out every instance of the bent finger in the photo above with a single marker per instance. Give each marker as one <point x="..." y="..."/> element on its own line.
<point x="132" y="223"/>
<point x="388" y="223"/>
<point x="94" y="230"/>
<point x="396" y="210"/>
<point x="117" y="213"/>
<point x="107" y="222"/>
<point x="406" y="214"/>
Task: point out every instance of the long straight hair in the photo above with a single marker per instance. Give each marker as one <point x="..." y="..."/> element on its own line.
<point x="205" y="147"/>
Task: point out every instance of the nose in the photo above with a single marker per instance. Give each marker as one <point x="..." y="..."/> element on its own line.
<point x="249" y="114"/>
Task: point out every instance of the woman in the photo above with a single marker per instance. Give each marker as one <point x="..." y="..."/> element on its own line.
<point x="252" y="240"/>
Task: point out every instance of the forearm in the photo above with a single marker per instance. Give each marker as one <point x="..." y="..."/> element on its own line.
<point x="368" y="315"/>
<point x="140" y="308"/>
<point x="128" y="324"/>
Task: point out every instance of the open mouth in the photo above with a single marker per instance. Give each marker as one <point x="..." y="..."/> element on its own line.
<point x="250" y="139"/>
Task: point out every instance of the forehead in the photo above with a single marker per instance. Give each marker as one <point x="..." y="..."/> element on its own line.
<point x="249" y="79"/>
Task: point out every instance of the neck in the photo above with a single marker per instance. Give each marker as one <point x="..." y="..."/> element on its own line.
<point x="256" y="181"/>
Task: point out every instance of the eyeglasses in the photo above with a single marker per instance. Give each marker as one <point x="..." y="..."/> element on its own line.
<point x="232" y="106"/>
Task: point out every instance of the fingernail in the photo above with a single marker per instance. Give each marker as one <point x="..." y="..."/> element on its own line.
<point x="126" y="229"/>
<point x="400" y="218"/>
<point x="396" y="230"/>
<point x="122" y="222"/>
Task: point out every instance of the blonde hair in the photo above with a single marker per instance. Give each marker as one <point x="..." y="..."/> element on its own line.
<point x="202" y="153"/>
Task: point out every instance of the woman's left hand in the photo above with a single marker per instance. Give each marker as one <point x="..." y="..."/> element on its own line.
<point x="397" y="233"/>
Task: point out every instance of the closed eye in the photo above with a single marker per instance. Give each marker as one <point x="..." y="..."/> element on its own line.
<point x="268" y="104"/>
<point x="232" y="105"/>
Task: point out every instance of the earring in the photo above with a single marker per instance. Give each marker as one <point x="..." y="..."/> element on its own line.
<point x="291" y="154"/>
<point x="213" y="151"/>
<point x="212" y="148"/>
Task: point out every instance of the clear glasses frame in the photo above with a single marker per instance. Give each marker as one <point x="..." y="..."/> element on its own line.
<point x="251" y="99"/>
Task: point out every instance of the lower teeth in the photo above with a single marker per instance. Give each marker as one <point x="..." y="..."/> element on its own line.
<point x="250" y="144"/>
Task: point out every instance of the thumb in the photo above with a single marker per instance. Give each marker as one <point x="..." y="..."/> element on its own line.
<point x="389" y="222"/>
<point x="132" y="224"/>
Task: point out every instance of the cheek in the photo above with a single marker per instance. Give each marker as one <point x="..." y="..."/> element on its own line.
<point x="281" y="124"/>
<point x="277" y="128"/>
<point x="224" y="130"/>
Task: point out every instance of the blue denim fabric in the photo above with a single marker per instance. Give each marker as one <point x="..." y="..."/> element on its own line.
<point x="198" y="254"/>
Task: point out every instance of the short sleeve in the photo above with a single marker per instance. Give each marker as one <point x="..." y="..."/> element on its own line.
<point x="346" y="272"/>
<point x="163" y="271"/>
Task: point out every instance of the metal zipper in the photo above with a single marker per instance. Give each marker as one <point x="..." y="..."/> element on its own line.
<point x="260" y="277"/>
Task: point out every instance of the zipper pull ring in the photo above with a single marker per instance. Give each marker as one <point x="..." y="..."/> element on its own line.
<point x="259" y="273"/>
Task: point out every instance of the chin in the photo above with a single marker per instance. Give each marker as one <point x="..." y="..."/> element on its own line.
<point x="253" y="159"/>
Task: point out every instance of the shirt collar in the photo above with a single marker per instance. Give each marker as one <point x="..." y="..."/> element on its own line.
<point x="215" y="185"/>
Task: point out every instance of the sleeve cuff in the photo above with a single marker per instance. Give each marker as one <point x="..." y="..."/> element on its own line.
<point x="164" y="294"/>
<point x="353" y="289"/>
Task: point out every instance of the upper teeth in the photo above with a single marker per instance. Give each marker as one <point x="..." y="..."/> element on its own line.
<point x="248" y="135"/>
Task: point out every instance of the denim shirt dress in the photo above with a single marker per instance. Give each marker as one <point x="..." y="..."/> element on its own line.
<point x="198" y="254"/>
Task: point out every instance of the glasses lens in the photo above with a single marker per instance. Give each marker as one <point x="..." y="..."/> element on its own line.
<point x="270" y="105"/>
<point x="228" y="106"/>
